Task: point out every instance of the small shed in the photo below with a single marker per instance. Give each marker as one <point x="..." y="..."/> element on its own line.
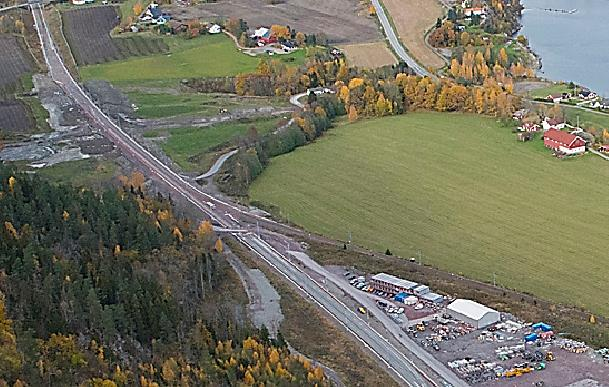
<point x="542" y="326"/>
<point x="420" y="290"/>
<point x="433" y="297"/>
<point x="524" y="136"/>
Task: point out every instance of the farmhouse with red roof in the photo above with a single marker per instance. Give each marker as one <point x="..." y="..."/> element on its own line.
<point x="564" y="142"/>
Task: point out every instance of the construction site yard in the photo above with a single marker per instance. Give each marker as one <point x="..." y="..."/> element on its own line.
<point x="412" y="19"/>
<point x="368" y="55"/>
<point x="342" y="21"/>
<point x="480" y="356"/>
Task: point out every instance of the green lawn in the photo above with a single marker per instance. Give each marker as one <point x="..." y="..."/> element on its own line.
<point x="205" y="56"/>
<point x="557" y="88"/>
<point x="152" y="105"/>
<point x="194" y="149"/>
<point x="87" y="172"/>
<point x="460" y="189"/>
<point x="587" y="119"/>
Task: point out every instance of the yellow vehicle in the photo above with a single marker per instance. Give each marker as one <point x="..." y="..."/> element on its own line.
<point x="420" y="327"/>
<point x="362" y="310"/>
<point x="550" y="356"/>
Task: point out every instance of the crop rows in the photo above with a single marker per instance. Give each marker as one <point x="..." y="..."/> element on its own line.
<point x="14" y="117"/>
<point x="13" y="61"/>
<point x="88" y="33"/>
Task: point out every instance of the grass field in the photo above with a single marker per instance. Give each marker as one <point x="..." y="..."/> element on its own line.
<point x="87" y="172"/>
<point x="413" y="18"/>
<point x="206" y="56"/>
<point x="557" y="88"/>
<point x="460" y="189"/>
<point x="587" y="119"/>
<point x="153" y="105"/>
<point x="193" y="149"/>
<point x="369" y="55"/>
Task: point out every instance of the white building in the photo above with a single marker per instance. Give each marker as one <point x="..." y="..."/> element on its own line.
<point x="473" y="313"/>
<point x="214" y="29"/>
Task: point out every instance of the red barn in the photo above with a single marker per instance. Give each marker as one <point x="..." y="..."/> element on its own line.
<point x="564" y="142"/>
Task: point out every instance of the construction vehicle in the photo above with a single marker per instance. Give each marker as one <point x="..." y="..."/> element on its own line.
<point x="550" y="356"/>
<point x="540" y="366"/>
<point x="421" y="327"/>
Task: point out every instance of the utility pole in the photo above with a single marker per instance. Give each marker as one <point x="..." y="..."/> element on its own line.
<point x="494" y="280"/>
<point x="420" y="257"/>
<point x="349" y="237"/>
<point x="258" y="229"/>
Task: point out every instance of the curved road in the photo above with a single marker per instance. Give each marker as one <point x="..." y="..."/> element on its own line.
<point x="217" y="165"/>
<point x="395" y="42"/>
<point x="233" y="217"/>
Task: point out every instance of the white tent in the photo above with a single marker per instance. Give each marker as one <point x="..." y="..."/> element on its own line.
<point x="473" y="313"/>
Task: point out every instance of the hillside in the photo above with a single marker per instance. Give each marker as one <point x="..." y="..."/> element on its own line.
<point x="112" y="289"/>
<point x="461" y="190"/>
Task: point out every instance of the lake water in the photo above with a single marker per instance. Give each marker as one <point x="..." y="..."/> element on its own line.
<point x="573" y="47"/>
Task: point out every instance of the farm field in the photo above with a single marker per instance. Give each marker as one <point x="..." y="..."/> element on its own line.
<point x="412" y="19"/>
<point x="14" y="62"/>
<point x="167" y="105"/>
<point x="87" y="31"/>
<point x="90" y="172"/>
<point x="194" y="149"/>
<point x="342" y="21"/>
<point x="369" y="55"/>
<point x="461" y="190"/>
<point x="206" y="56"/>
<point x="14" y="118"/>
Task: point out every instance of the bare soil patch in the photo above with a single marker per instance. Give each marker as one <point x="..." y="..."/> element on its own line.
<point x="343" y="21"/>
<point x="14" y="117"/>
<point x="413" y="18"/>
<point x="369" y="55"/>
<point x="87" y="31"/>
<point x="14" y="62"/>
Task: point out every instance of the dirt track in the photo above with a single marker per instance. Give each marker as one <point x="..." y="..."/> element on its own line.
<point x="343" y="21"/>
<point x="369" y="55"/>
<point x="413" y="18"/>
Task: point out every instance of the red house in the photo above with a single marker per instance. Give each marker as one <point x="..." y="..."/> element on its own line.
<point x="564" y="142"/>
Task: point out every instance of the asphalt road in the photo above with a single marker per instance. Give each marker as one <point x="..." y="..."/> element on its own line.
<point x="232" y="216"/>
<point x="217" y="165"/>
<point x="395" y="42"/>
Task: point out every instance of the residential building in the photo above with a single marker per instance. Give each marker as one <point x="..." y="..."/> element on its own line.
<point x="556" y="98"/>
<point x="391" y="284"/>
<point x="564" y="142"/>
<point x="553" y="123"/>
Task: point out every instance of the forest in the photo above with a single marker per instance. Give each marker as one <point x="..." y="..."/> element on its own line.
<point x="112" y="288"/>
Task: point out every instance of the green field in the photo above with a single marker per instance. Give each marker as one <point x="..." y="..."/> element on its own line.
<point x="460" y="189"/>
<point x="557" y="88"/>
<point x="587" y="119"/>
<point x="205" y="56"/>
<point x="87" y="172"/>
<point x="166" y="105"/>
<point x="194" y="149"/>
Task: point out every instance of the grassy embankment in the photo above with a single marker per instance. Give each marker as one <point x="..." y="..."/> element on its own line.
<point x="460" y="189"/>
<point x="154" y="105"/>
<point x="205" y="56"/>
<point x="194" y="149"/>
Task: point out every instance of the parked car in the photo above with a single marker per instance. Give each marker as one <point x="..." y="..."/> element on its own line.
<point x="347" y="274"/>
<point x="400" y="310"/>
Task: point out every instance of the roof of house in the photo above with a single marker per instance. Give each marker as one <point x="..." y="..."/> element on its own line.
<point x="384" y="277"/>
<point x="553" y="121"/>
<point x="470" y="308"/>
<point x="555" y="96"/>
<point x="585" y="93"/>
<point x="565" y="138"/>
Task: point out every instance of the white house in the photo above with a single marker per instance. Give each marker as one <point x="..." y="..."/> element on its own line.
<point x="553" y="123"/>
<point x="78" y="2"/>
<point x="473" y="313"/>
<point x="587" y="95"/>
<point x="261" y="32"/>
<point x="475" y="11"/>
<point x="556" y="98"/>
<point x="214" y="29"/>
